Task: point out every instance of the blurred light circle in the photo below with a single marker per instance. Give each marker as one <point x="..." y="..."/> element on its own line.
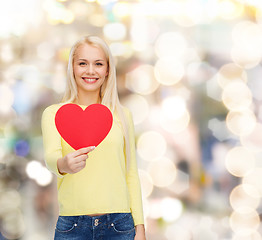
<point x="242" y="201"/>
<point x="6" y="98"/>
<point x="241" y="123"/>
<point x="40" y="174"/>
<point x="98" y="20"/>
<point x="231" y="72"/>
<point x="247" y="33"/>
<point x="173" y="107"/>
<point x="22" y="148"/>
<point x="115" y="31"/>
<point x="178" y="232"/>
<point x="251" y="190"/>
<point x="67" y="16"/>
<point x="253" y="140"/>
<point x="139" y="34"/>
<point x="33" y="169"/>
<point x="57" y="12"/>
<point x="10" y="200"/>
<point x="188" y="13"/>
<point x="23" y="97"/>
<point x="192" y="55"/>
<point x="38" y="236"/>
<point x="79" y="9"/>
<point x="247" y="221"/>
<point x="168" y="71"/>
<point x="44" y="178"/>
<point x="45" y="50"/>
<point x="247" y="234"/>
<point x="155" y="209"/>
<point x="247" y="49"/>
<point x="171" y="209"/>
<point x="142" y="80"/>
<point x="17" y="17"/>
<point x="254" y="178"/>
<point x="120" y="49"/>
<point x="13" y="225"/>
<point x="213" y="89"/>
<point x="170" y="44"/>
<point x="138" y="106"/>
<point x="104" y="2"/>
<point x="151" y="146"/>
<point x="122" y="9"/>
<point x="247" y="57"/>
<point x="183" y="20"/>
<point x="6" y="52"/>
<point x="175" y="125"/>
<point x="117" y="49"/>
<point x="229" y="9"/>
<point x="146" y="183"/>
<point x="239" y="161"/>
<point x="163" y="172"/>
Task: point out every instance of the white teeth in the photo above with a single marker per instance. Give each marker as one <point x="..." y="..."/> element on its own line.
<point x="89" y="79"/>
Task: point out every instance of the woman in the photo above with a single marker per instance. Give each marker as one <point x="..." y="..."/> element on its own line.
<point x="99" y="197"/>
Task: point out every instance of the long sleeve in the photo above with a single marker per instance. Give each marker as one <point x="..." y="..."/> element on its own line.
<point x="51" y="139"/>
<point x="104" y="185"/>
<point x="133" y="181"/>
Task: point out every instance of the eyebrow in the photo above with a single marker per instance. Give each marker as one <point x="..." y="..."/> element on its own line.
<point x="98" y="60"/>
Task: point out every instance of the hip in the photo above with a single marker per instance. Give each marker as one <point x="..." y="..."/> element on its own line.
<point x="118" y="226"/>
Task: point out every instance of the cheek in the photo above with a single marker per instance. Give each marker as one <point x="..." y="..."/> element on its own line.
<point x="77" y="71"/>
<point x="102" y="72"/>
<point x="105" y="72"/>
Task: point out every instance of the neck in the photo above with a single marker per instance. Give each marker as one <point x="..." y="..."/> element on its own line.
<point x="87" y="100"/>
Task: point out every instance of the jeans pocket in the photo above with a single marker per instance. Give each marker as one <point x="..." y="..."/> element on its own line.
<point x="66" y="224"/>
<point x="126" y="225"/>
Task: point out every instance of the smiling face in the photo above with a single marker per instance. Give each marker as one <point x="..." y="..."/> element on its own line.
<point x="90" y="68"/>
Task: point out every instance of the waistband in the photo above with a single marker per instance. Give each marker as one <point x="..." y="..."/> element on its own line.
<point x="106" y="219"/>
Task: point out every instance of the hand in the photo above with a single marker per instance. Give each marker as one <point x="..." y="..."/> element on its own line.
<point x="75" y="161"/>
<point x="140" y="232"/>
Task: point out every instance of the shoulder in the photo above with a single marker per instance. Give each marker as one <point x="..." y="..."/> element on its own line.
<point x="52" y="109"/>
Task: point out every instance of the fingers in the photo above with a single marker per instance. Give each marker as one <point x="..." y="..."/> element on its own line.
<point x="76" y="160"/>
<point x="81" y="158"/>
<point x="79" y="166"/>
<point x="82" y="151"/>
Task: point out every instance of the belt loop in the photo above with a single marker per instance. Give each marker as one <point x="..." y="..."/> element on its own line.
<point x="108" y="218"/>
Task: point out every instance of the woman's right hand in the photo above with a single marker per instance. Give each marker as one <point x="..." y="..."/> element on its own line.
<point x="75" y="161"/>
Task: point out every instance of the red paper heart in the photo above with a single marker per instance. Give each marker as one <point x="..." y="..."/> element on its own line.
<point x="83" y="128"/>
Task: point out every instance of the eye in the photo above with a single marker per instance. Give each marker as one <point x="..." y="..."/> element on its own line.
<point x="99" y="64"/>
<point x="82" y="63"/>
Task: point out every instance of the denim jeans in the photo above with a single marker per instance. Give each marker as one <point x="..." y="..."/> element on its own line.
<point x="113" y="226"/>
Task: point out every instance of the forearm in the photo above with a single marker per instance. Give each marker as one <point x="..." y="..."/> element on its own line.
<point x="140" y="232"/>
<point x="60" y="166"/>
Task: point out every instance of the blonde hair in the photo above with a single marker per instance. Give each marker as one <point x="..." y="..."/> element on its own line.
<point x="108" y="92"/>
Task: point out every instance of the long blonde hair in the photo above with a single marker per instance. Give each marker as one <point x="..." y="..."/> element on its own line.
<point x="108" y="92"/>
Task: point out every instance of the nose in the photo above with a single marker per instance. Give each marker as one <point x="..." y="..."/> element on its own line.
<point x="90" y="69"/>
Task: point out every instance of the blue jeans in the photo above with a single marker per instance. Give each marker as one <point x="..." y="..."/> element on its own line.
<point x="113" y="226"/>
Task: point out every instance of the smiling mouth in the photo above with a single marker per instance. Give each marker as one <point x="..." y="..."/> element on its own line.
<point x="89" y="80"/>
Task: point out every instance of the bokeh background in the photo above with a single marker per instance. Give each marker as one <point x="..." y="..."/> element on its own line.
<point x="189" y="70"/>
